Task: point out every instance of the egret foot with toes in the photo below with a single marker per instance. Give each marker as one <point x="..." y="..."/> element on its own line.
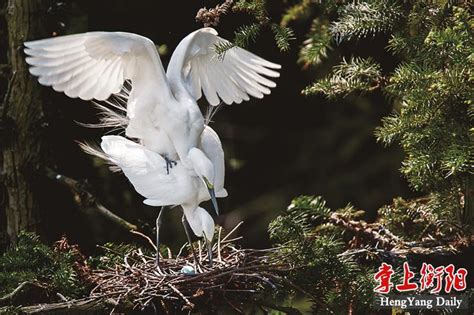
<point x="170" y="164"/>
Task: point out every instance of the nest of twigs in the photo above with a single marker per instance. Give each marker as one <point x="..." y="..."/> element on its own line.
<point x="179" y="283"/>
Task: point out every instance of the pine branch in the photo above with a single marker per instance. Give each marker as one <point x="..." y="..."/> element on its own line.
<point x="357" y="74"/>
<point x="317" y="44"/>
<point x="298" y="11"/>
<point x="253" y="7"/>
<point x="359" y="19"/>
<point x="283" y="36"/>
<point x="243" y="37"/>
<point x="434" y="248"/>
<point x="377" y="233"/>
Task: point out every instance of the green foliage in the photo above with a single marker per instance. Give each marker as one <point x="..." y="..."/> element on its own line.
<point x="301" y="215"/>
<point x="317" y="44"/>
<point x="32" y="261"/>
<point x="432" y="89"/>
<point x="299" y="11"/>
<point x="113" y="255"/>
<point x="309" y="242"/>
<point x="254" y="7"/>
<point x="243" y="37"/>
<point x="283" y="36"/>
<point x="435" y="85"/>
<point x="432" y="92"/>
<point x="362" y="18"/>
<point x="357" y="74"/>
<point x="248" y="34"/>
<point x="416" y="219"/>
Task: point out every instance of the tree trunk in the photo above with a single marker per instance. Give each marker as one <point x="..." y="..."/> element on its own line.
<point x="22" y="118"/>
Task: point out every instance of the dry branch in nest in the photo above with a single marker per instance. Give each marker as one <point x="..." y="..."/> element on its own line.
<point x="236" y="275"/>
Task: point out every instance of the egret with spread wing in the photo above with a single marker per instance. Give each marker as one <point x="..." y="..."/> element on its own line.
<point x="162" y="107"/>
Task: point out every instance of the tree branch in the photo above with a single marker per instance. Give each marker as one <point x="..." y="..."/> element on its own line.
<point x="85" y="199"/>
<point x="82" y="306"/>
<point x="374" y="231"/>
<point x="24" y="289"/>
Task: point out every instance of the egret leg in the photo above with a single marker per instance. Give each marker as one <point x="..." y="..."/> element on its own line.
<point x="209" y="251"/>
<point x="158" y="224"/>
<point x="188" y="235"/>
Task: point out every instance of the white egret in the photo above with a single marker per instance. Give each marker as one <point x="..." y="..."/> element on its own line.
<point x="162" y="107"/>
<point x="204" y="168"/>
<point x="144" y="170"/>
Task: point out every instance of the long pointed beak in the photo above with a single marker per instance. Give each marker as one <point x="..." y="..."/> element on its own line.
<point x="212" y="193"/>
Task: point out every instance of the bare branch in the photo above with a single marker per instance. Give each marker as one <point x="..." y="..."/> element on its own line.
<point x="374" y="231"/>
<point x="81" y="305"/>
<point x="85" y="199"/>
<point x="22" y="290"/>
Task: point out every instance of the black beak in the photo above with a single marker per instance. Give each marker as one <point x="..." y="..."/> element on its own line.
<point x="212" y="193"/>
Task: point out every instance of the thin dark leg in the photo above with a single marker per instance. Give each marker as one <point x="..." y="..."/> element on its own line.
<point x="209" y="251"/>
<point x="188" y="235"/>
<point x="158" y="224"/>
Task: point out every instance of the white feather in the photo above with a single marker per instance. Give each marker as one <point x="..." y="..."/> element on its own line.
<point x="195" y="66"/>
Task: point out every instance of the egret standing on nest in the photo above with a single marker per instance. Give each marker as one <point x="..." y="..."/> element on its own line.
<point x="162" y="107"/>
<point x="144" y="169"/>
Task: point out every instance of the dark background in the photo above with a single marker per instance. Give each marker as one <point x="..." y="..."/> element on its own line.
<point x="276" y="148"/>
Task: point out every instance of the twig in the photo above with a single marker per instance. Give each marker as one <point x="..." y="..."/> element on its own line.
<point x="372" y="230"/>
<point x="62" y="297"/>
<point x="87" y="304"/>
<point x="24" y="286"/>
<point x="85" y="199"/>
<point x="211" y="17"/>
<point x="241" y="271"/>
<point x="232" y="231"/>
<point x="146" y="238"/>
<point x="185" y="299"/>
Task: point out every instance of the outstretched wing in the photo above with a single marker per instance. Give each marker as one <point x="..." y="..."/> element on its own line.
<point x="94" y="65"/>
<point x="196" y="67"/>
<point x="146" y="171"/>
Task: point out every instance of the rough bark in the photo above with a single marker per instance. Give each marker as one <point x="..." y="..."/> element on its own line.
<point x="23" y="114"/>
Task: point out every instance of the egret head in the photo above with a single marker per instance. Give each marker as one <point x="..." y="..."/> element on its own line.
<point x="202" y="225"/>
<point x="203" y="167"/>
